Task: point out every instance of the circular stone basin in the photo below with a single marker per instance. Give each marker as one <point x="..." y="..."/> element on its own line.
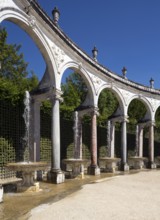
<point x="27" y="166"/>
<point x="110" y="159"/>
<point x="136" y="158"/>
<point x="28" y="170"/>
<point x="75" y="161"/>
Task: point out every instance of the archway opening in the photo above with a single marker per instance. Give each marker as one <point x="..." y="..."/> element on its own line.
<point x="75" y="135"/>
<point x="32" y="55"/>
<point x="20" y="71"/>
<point x="108" y="105"/>
<point x="138" y="124"/>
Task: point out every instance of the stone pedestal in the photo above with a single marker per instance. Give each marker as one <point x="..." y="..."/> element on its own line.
<point x="77" y="166"/>
<point x="93" y="170"/>
<point x="56" y="177"/>
<point x="1" y="193"/>
<point x="125" y="167"/>
<point x="136" y="162"/>
<point x="110" y="163"/>
<point x="152" y="165"/>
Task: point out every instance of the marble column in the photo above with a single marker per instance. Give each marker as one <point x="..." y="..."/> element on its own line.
<point x="77" y="136"/>
<point x="56" y="175"/>
<point x="152" y="165"/>
<point x="124" y="164"/>
<point x="93" y="169"/>
<point x="112" y="139"/>
<point x="140" y="140"/>
<point x="80" y="136"/>
<point x="108" y="153"/>
<point x="35" y="123"/>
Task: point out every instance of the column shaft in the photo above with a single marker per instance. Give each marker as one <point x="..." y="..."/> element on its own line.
<point x="125" y="166"/>
<point x="35" y="151"/>
<point x="124" y="142"/>
<point x="55" y="166"/>
<point x="112" y="133"/>
<point x="94" y="140"/>
<point x="140" y="141"/>
<point x="151" y="143"/>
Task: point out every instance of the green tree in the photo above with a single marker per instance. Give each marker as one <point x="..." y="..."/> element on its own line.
<point x="136" y="111"/>
<point x="14" y="77"/>
<point x="74" y="93"/>
<point x="107" y="104"/>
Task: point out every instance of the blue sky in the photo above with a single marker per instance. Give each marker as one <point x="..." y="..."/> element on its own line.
<point x="126" y="33"/>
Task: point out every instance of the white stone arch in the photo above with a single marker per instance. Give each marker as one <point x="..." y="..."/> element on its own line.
<point x="118" y="95"/>
<point x="29" y="25"/>
<point x="90" y="99"/>
<point x="150" y="113"/>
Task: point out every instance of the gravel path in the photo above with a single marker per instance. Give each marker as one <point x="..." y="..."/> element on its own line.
<point x="125" y="197"/>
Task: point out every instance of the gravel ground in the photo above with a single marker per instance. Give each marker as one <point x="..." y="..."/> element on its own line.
<point x="124" y="197"/>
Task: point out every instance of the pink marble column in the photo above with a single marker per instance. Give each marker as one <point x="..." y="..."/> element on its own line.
<point x="94" y="169"/>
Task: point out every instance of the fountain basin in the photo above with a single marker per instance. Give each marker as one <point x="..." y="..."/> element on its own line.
<point x="77" y="166"/>
<point x="28" y="172"/>
<point x="110" y="163"/>
<point x="137" y="162"/>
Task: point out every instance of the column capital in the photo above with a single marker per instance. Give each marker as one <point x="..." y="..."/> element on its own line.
<point x="57" y="95"/>
<point x="152" y="123"/>
<point x="36" y="101"/>
<point x="124" y="118"/>
<point x="95" y="111"/>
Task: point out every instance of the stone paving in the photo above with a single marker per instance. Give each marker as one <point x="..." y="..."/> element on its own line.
<point x="124" y="197"/>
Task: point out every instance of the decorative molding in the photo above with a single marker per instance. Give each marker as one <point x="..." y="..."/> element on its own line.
<point x="32" y="21"/>
<point x="80" y="66"/>
<point x="97" y="82"/>
<point x="59" y="55"/>
<point x="126" y="95"/>
<point x="154" y="103"/>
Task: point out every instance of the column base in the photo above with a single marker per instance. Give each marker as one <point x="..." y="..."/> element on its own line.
<point x="1" y="193"/>
<point x="93" y="170"/>
<point x="125" y="167"/>
<point x="56" y="176"/>
<point x="152" y="165"/>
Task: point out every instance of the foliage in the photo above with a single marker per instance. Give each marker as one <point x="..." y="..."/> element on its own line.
<point x="74" y="93"/>
<point x="136" y="111"/>
<point x="107" y="104"/>
<point x="157" y="119"/>
<point x="7" y="152"/>
<point x="14" y="77"/>
<point x="74" y="90"/>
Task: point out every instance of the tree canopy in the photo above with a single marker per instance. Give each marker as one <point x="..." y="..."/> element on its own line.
<point x="14" y="76"/>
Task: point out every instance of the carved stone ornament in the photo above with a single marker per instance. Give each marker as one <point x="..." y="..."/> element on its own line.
<point x="32" y="22"/>
<point x="126" y="95"/>
<point x="59" y="55"/>
<point x="154" y="104"/>
<point x="96" y="81"/>
<point x="7" y="3"/>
